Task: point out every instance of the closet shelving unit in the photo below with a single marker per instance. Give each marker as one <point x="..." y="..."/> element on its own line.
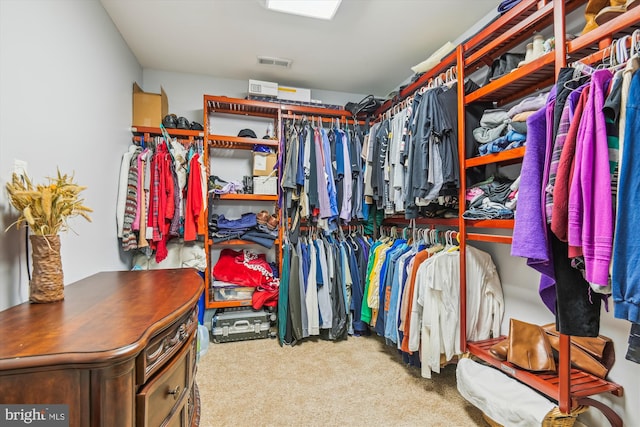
<point x="276" y="112"/>
<point x="570" y="387"/>
<point x="226" y="106"/>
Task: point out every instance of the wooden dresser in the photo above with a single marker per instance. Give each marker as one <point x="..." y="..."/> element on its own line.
<point x="120" y="350"/>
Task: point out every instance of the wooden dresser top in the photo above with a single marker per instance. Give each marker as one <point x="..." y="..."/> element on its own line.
<point x="105" y="317"/>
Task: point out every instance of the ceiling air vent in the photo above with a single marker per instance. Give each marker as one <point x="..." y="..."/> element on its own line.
<point x="278" y="62"/>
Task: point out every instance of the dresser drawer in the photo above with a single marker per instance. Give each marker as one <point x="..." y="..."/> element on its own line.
<point x="164" y="346"/>
<point x="168" y="390"/>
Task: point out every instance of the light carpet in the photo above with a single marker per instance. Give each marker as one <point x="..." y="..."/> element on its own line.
<point x="357" y="382"/>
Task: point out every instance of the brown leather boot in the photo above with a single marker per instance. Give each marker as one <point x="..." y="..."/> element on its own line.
<point x="529" y="347"/>
<point x="591" y="10"/>
<point x="617" y="8"/>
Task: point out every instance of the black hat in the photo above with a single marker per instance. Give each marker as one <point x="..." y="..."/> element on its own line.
<point x="183" y="123"/>
<point x="247" y="133"/>
<point x="170" y="121"/>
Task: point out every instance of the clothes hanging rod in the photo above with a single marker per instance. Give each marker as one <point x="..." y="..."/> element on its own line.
<point x="314" y="117"/>
<point x="180" y="140"/>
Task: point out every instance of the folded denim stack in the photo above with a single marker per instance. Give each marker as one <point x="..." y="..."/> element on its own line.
<point x="261" y="228"/>
<point x="222" y="229"/>
<point x="489" y="199"/>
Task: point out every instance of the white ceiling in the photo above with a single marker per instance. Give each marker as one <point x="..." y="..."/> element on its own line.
<point x="369" y="46"/>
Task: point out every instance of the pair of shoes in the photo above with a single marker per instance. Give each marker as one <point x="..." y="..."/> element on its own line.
<point x="527" y="347"/>
<point x="535" y="50"/>
<point x="616" y="9"/>
<point x="272" y="222"/>
<point x="263" y="217"/>
<point x="535" y="348"/>
<point x="592" y="9"/>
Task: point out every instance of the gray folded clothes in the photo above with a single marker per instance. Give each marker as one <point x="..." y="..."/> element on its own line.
<point x="493" y="118"/>
<point x="497" y="192"/>
<point x="520" y="127"/>
<point x="531" y="103"/>
<point x="493" y="125"/>
<point x="488" y="210"/>
<point x="484" y="135"/>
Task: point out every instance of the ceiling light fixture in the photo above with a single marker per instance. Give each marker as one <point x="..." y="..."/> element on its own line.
<point x="319" y="9"/>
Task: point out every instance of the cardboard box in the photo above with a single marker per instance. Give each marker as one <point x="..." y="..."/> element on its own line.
<point x="149" y="108"/>
<point x="265" y="185"/>
<point x="263" y="163"/>
<point x="294" y="94"/>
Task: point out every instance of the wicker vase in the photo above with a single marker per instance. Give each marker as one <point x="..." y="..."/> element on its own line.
<point x="46" y="284"/>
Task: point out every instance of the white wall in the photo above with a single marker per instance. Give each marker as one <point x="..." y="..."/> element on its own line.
<point x="520" y="287"/>
<point x="65" y="78"/>
<point x="185" y="91"/>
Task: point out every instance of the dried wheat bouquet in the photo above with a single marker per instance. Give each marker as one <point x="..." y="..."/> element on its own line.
<point x="46" y="208"/>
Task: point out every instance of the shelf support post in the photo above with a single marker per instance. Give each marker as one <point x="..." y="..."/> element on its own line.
<point x="559" y="34"/>
<point x="461" y="204"/>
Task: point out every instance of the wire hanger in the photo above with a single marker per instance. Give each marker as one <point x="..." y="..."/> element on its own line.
<point x="635" y="43"/>
<point x="622" y="55"/>
<point x="453" y="247"/>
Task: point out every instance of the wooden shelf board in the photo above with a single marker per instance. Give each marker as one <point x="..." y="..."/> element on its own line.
<point x="538" y="74"/>
<point x="311" y="111"/>
<point x="226" y="105"/>
<point x="582" y="383"/>
<point x="494" y="238"/>
<point x="172" y="132"/>
<point x="248" y="197"/>
<point x="239" y="242"/>
<point x="490" y="223"/>
<point x="449" y="222"/>
<point x="237" y="142"/>
<point x="506" y="157"/>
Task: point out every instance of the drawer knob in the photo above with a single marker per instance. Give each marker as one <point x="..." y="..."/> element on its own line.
<point x="175" y="392"/>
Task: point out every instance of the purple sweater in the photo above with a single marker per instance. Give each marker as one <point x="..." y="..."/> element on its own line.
<point x="530" y="232"/>
<point x="590" y="205"/>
